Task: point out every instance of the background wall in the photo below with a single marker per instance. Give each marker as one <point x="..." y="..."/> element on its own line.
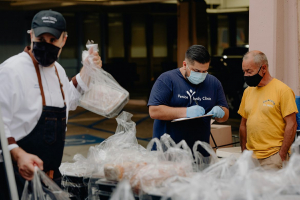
<point x="274" y="30"/>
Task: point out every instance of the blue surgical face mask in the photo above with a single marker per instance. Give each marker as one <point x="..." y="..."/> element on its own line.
<point x="196" y="77"/>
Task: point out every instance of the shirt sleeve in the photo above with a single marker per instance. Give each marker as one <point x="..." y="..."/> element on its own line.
<point x="160" y="93"/>
<point x="81" y="87"/>
<point x="221" y="101"/>
<point x="76" y="93"/>
<point x="73" y="94"/>
<point x="10" y="99"/>
<point x="288" y="103"/>
<point x="241" y="110"/>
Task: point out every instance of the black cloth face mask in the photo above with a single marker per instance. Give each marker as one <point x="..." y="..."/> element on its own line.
<point x="254" y="80"/>
<point x="45" y="53"/>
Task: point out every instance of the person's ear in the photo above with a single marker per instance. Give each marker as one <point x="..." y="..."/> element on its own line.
<point x="264" y="68"/>
<point x="64" y="40"/>
<point x="31" y="35"/>
<point x="184" y="65"/>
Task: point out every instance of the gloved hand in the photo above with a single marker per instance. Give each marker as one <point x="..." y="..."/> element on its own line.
<point x="194" y="111"/>
<point x="217" y="112"/>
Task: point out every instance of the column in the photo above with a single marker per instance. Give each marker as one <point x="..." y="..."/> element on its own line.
<point x="274" y="30"/>
<point x="192" y="26"/>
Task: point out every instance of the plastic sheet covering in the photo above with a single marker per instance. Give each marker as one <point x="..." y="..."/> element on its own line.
<point x="118" y="148"/>
<point x="175" y="161"/>
<point x="104" y="96"/>
<point x="123" y="191"/>
<point x="77" y="187"/>
<point x="231" y="179"/>
<point x="202" y="162"/>
<point x="120" y="157"/>
<point x="176" y="172"/>
<point x="42" y="188"/>
<point x="242" y="178"/>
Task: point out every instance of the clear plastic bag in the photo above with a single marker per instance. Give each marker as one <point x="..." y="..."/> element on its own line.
<point x="104" y="95"/>
<point x="240" y="178"/>
<point x="123" y="192"/>
<point x="77" y="187"/>
<point x="202" y="162"/>
<point x="171" y="160"/>
<point x="42" y="188"/>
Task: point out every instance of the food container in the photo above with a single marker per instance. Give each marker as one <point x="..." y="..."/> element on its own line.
<point x="76" y="186"/>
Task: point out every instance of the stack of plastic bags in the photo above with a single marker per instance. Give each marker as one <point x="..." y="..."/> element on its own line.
<point x="120" y="157"/>
<point x="175" y="171"/>
<point x="235" y="179"/>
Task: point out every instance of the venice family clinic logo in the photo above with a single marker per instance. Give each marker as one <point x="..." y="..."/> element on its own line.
<point x="190" y="93"/>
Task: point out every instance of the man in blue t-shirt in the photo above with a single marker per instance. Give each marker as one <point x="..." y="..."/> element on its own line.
<point x="188" y="92"/>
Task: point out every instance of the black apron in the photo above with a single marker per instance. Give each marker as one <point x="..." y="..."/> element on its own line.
<point x="46" y="140"/>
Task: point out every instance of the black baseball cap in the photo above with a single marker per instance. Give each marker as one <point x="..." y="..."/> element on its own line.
<point x="48" y="21"/>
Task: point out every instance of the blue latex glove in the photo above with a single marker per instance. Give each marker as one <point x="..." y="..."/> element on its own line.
<point x="217" y="112"/>
<point x="194" y="111"/>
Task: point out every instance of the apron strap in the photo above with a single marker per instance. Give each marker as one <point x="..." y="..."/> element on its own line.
<point x="37" y="70"/>
<point x="38" y="73"/>
<point x="61" y="85"/>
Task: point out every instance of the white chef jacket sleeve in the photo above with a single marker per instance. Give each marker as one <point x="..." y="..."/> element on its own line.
<point x="75" y="93"/>
<point x="81" y="87"/>
<point x="11" y="97"/>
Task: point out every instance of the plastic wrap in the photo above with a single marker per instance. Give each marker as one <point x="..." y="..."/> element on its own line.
<point x="151" y="176"/>
<point x="202" y="162"/>
<point x="230" y="178"/>
<point x="173" y="171"/>
<point x="167" y="142"/>
<point x="242" y="178"/>
<point x="81" y="167"/>
<point x="42" y="188"/>
<point x="104" y="96"/>
<point x="123" y="191"/>
<point x="115" y="158"/>
<point x="123" y="153"/>
<point x="77" y="187"/>
<point x="169" y="161"/>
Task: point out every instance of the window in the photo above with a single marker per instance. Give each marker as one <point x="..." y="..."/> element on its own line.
<point x="160" y="48"/>
<point x="138" y="38"/>
<point x="115" y="36"/>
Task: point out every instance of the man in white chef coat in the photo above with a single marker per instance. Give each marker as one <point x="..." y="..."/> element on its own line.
<point x="35" y="99"/>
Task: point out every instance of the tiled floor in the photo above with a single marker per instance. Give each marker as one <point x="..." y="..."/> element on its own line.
<point x="87" y="129"/>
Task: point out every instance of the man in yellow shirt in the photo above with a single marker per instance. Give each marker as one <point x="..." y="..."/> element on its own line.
<point x="268" y="111"/>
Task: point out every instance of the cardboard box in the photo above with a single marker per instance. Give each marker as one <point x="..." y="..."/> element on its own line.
<point x="222" y="135"/>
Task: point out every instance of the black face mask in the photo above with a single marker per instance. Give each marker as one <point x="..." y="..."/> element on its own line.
<point x="254" y="80"/>
<point x="45" y="53"/>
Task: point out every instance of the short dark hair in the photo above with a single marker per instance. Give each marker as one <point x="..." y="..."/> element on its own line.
<point x="197" y="53"/>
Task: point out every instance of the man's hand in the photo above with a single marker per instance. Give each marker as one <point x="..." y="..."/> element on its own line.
<point x="194" y="111"/>
<point x="91" y="62"/>
<point x="289" y="135"/>
<point x="26" y="162"/>
<point x="282" y="155"/>
<point x="217" y="112"/>
<point x="93" y="57"/>
<point x="96" y="58"/>
<point x="243" y="133"/>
